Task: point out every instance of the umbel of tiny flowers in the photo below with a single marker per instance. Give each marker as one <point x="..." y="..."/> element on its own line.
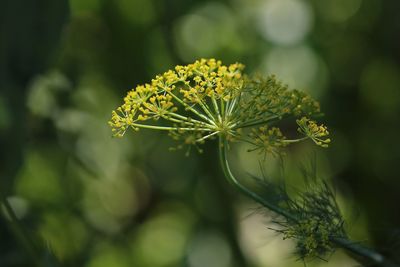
<point x="206" y="99"/>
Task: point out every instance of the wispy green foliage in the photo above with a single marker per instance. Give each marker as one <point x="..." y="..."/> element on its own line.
<point x="314" y="216"/>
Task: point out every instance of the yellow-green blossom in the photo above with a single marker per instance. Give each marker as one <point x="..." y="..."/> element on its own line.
<point x="267" y="140"/>
<point x="205" y="99"/>
<point x="317" y="133"/>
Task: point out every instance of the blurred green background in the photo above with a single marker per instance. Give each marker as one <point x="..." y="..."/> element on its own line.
<point x="95" y="201"/>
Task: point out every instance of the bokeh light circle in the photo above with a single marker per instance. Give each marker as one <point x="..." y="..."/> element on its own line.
<point x="285" y="22"/>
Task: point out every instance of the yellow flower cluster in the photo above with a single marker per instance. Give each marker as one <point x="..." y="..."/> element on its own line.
<point x="205" y="99"/>
<point x="268" y="97"/>
<point x="209" y="78"/>
<point x="196" y="87"/>
<point x="267" y="140"/>
<point x="318" y="133"/>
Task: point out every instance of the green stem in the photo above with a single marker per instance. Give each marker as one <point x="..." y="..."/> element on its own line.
<point x="216" y="109"/>
<point x="190" y="108"/>
<point x="20" y="233"/>
<point x="295" y="140"/>
<point x="191" y="120"/>
<point x="232" y="180"/>
<point x="167" y="128"/>
<point x="258" y="122"/>
<point x="342" y="242"/>
<point x="206" y="109"/>
<point x="360" y="250"/>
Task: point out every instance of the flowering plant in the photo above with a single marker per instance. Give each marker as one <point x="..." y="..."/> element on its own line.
<point x="207" y="99"/>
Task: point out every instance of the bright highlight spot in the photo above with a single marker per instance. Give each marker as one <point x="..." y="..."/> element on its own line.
<point x="211" y="250"/>
<point x="285" y="22"/>
<point x="162" y="240"/>
<point x="205" y="32"/>
<point x="298" y="66"/>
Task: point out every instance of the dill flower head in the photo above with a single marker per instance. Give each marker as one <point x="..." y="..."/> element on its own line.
<point x="267" y="140"/>
<point x="206" y="99"/>
<point x="317" y="133"/>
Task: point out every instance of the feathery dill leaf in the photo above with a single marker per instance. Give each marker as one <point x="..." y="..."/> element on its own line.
<point x="315" y="216"/>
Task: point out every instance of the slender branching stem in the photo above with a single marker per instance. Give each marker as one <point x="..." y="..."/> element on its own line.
<point x="232" y="180"/>
<point x="259" y="122"/>
<point x="222" y="104"/>
<point x="206" y="109"/>
<point x="167" y="128"/>
<point x="341" y="242"/>
<point x="230" y="106"/>
<point x="295" y="140"/>
<point x="207" y="136"/>
<point x="188" y="107"/>
<point x="190" y="120"/>
<point x="176" y="120"/>
<point x="216" y="109"/>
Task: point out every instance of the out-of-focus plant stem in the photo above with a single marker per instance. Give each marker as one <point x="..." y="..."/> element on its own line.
<point x="19" y="232"/>
<point x="362" y="251"/>
<point x="341" y="242"/>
